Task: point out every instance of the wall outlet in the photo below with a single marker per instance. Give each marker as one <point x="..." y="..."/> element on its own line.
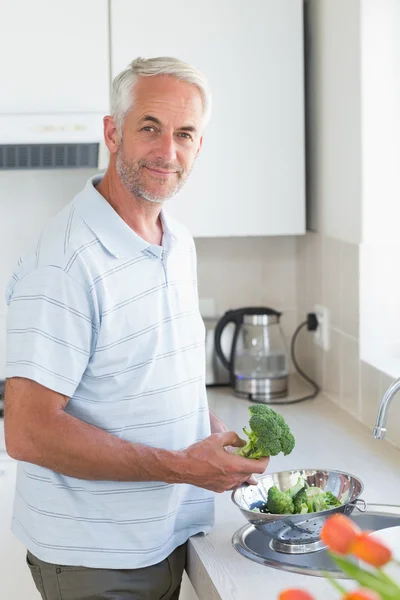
<point x="321" y="334"/>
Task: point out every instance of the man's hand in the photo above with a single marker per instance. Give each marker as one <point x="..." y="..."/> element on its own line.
<point x="218" y="426"/>
<point x="209" y="465"/>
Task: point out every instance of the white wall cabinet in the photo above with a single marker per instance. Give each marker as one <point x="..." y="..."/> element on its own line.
<point x="16" y="582"/>
<point x="250" y="176"/>
<point x="55" y="56"/>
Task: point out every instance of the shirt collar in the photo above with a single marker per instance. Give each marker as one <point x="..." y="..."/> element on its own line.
<point x="112" y="231"/>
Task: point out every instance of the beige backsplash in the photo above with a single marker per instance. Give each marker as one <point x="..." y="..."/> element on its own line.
<point x="238" y="272"/>
<point x="328" y="273"/>
<point x="245" y="271"/>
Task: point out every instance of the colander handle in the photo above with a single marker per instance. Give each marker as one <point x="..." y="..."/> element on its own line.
<point x="362" y="508"/>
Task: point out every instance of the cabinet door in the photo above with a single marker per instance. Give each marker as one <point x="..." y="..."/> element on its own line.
<point x="16" y="582"/>
<point x="249" y="177"/>
<point x="54" y="56"/>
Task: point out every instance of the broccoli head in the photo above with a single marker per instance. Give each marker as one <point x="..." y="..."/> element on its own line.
<point x="313" y="499"/>
<point x="296" y="489"/>
<point x="287" y="440"/>
<point x="282" y="503"/>
<point x="279" y="503"/>
<point x="331" y="501"/>
<point x="268" y="435"/>
<point x="300" y="502"/>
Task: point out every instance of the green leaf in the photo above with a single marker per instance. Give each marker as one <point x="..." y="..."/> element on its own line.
<point x="386" y="577"/>
<point x="336" y="585"/>
<point x="368" y="580"/>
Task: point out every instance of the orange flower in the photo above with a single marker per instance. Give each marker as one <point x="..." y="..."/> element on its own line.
<point x="295" y="595"/>
<point x="362" y="595"/>
<point x="371" y="550"/>
<point x="339" y="533"/>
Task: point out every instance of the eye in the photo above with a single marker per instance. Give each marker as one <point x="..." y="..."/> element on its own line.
<point x="149" y="128"/>
<point x="185" y="135"/>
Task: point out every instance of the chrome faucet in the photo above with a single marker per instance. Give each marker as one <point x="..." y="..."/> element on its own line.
<point x="379" y="430"/>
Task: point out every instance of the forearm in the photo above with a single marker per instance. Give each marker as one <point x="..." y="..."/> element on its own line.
<point x="69" y="446"/>
<point x="38" y="430"/>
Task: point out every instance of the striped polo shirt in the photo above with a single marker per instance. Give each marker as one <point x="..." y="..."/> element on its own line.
<point x="98" y="314"/>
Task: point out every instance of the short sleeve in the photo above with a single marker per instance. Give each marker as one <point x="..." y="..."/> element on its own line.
<point x="50" y="329"/>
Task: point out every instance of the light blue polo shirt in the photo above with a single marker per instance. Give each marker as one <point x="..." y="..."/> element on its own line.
<point x="100" y="315"/>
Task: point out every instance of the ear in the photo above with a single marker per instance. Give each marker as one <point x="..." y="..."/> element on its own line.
<point x="200" y="146"/>
<point x="111" y="137"/>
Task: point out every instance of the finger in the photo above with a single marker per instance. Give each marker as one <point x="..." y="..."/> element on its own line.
<point x="252" y="480"/>
<point x="259" y="466"/>
<point x="230" y="449"/>
<point x="235" y="487"/>
<point x="264" y="462"/>
<point x="230" y="438"/>
<point x="245" y="481"/>
<point x="239" y="484"/>
<point x="239" y="443"/>
<point x="254" y="465"/>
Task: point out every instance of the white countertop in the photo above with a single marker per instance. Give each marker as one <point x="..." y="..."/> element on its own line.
<point x="326" y="438"/>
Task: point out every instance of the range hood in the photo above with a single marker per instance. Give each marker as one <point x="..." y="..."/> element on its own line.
<point x="52" y="141"/>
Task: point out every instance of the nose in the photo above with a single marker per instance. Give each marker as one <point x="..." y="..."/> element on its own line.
<point x="166" y="149"/>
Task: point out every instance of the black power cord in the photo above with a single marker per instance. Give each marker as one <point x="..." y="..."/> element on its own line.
<point x="312" y="324"/>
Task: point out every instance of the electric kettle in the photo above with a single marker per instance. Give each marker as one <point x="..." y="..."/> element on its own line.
<point x="258" y="363"/>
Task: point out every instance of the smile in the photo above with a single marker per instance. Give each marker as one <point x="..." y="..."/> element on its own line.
<point x="161" y="173"/>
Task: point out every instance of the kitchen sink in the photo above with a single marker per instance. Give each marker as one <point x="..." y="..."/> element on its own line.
<point x="257" y="546"/>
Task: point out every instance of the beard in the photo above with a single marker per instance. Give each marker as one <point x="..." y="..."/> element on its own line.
<point x="133" y="176"/>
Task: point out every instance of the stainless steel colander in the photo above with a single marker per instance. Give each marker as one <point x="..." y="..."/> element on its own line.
<point x="297" y="534"/>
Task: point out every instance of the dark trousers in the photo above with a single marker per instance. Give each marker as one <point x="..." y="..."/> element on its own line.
<point x="157" y="582"/>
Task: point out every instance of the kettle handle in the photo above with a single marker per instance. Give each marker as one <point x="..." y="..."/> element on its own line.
<point x="232" y="316"/>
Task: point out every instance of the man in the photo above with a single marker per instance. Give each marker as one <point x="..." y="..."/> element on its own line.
<point x="106" y="409"/>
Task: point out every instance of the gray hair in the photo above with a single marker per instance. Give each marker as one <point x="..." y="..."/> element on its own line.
<point x="123" y="85"/>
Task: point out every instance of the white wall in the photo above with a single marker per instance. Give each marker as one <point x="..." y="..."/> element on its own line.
<point x="380" y="307"/>
<point x="380" y="250"/>
<point x="381" y="119"/>
<point x="334" y="118"/>
<point x="27" y="201"/>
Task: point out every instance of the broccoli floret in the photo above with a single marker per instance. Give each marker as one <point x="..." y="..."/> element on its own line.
<point x="300" y="502"/>
<point x="264" y="439"/>
<point x="279" y="503"/>
<point x="296" y="489"/>
<point x="331" y="500"/>
<point x="318" y="500"/>
<point x="287" y="440"/>
<point x="268" y="435"/>
<point x="259" y="409"/>
<point x="315" y="500"/>
<point x="282" y="503"/>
